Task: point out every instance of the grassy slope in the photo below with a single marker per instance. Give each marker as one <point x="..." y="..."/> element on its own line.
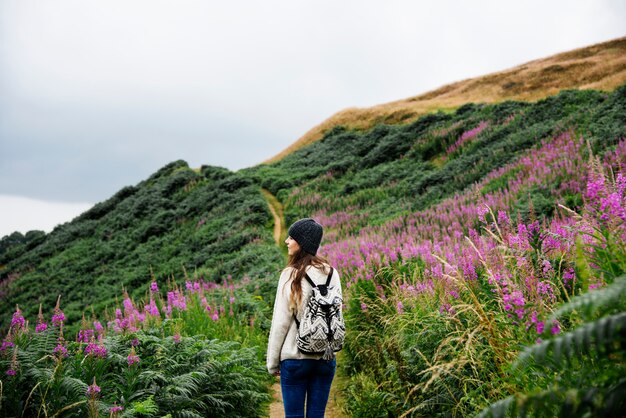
<point x="393" y="169"/>
<point x="216" y="223"/>
<point x="210" y="225"/>
<point x="600" y="67"/>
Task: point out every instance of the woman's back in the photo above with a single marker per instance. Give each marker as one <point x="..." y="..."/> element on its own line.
<point x="302" y="376"/>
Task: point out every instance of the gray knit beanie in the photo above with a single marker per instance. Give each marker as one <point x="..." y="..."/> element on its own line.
<point x="308" y="234"/>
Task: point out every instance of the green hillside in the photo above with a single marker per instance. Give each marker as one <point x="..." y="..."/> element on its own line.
<point x="374" y="191"/>
<point x="216" y="223"/>
<point x="213" y="224"/>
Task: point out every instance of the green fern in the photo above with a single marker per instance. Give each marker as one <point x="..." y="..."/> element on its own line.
<point x="186" y="413"/>
<point x="577" y="392"/>
<point x="153" y="377"/>
<point x="184" y="386"/>
<point x="563" y="403"/>
<point x="605" y="335"/>
<point x="73" y="386"/>
<point x="192" y="378"/>
<point x="146" y="407"/>
<point x="609" y="297"/>
<point x="499" y="409"/>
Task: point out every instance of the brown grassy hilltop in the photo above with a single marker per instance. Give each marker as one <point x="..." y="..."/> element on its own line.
<point x="601" y="66"/>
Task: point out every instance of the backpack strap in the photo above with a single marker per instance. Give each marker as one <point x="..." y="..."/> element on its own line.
<point x="330" y="276"/>
<point x="308" y="279"/>
<point x="328" y="279"/>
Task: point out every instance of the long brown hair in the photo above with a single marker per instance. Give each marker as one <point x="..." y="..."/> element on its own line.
<point x="299" y="261"/>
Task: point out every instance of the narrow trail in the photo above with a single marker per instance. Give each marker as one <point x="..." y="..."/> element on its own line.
<point x="280" y="233"/>
<point x="332" y="409"/>
<point x="276" y="208"/>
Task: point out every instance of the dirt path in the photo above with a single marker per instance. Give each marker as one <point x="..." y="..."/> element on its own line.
<point x="280" y="233"/>
<point x="276" y="208"/>
<point x="332" y="409"/>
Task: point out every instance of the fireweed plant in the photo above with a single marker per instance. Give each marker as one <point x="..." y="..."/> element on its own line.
<point x="589" y="356"/>
<point x="441" y="302"/>
<point x="153" y="357"/>
<point x="459" y="237"/>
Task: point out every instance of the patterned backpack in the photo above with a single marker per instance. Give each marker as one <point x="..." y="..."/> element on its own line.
<point x="322" y="329"/>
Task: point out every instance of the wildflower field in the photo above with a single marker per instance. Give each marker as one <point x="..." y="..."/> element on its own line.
<point x="482" y="253"/>
<point x="182" y="352"/>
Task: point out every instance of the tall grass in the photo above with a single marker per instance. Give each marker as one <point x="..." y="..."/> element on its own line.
<point x="437" y="334"/>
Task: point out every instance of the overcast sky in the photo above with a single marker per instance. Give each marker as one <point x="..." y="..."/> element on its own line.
<point x="97" y="95"/>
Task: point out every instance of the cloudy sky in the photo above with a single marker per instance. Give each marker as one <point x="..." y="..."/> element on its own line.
<point x="97" y="95"/>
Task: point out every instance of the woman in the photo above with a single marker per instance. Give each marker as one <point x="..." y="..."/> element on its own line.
<point x="302" y="376"/>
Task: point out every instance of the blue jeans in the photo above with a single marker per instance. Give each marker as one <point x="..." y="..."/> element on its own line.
<point x="310" y="379"/>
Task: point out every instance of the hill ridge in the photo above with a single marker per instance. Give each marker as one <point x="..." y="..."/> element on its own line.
<point x="600" y="66"/>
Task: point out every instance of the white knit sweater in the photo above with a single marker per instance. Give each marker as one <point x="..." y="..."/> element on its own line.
<point x="283" y="333"/>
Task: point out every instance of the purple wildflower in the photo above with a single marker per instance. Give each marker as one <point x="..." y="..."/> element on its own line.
<point x="132" y="357"/>
<point x="446" y="308"/>
<point x="98" y="326"/>
<point x="400" y="307"/>
<point x="60" y="350"/>
<point x="177" y="300"/>
<point x="568" y="275"/>
<point x="6" y="344"/>
<point x="128" y="305"/>
<point x="540" y="327"/>
<point x="154" y="288"/>
<point x="89" y="348"/>
<point x="41" y="324"/>
<point x="466" y="136"/>
<point x="503" y="219"/>
<point x="152" y="309"/>
<point x="84" y="335"/>
<point x="18" y="320"/>
<point x="100" y="351"/>
<point x="469" y="271"/>
<point x="93" y="390"/>
<point x="547" y="268"/>
<point x="58" y="316"/>
<point x="96" y="350"/>
<point x="594" y="188"/>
